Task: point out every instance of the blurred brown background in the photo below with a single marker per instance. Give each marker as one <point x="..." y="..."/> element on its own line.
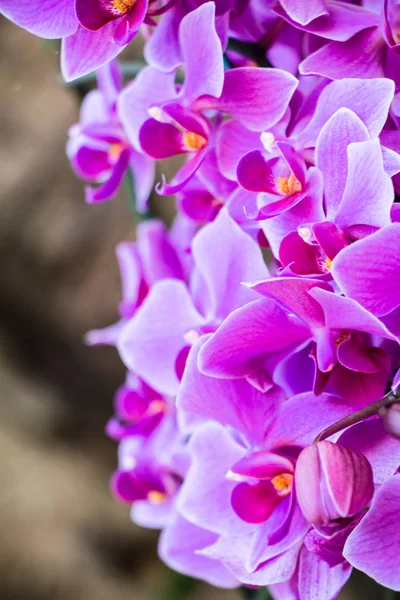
<point x="63" y="537"/>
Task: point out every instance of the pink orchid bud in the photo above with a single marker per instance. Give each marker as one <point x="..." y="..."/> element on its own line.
<point x="391" y="420"/>
<point x="332" y="482"/>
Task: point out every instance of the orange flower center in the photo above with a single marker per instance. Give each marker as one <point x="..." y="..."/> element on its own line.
<point x="289" y="185"/>
<point x="156" y="497"/>
<point x="283" y="483"/>
<point x="114" y="151"/>
<point x="121" y="7"/>
<point x="194" y="141"/>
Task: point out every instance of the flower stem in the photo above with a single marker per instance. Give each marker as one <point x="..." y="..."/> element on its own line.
<point x="360" y="415"/>
<point x="255" y="593"/>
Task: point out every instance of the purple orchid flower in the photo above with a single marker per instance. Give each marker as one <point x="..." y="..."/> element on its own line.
<point x="138" y="410"/>
<point x="368" y="271"/>
<point x="341" y="329"/>
<point x="372" y="51"/>
<point x="151" y="471"/>
<point x="249" y="158"/>
<point x="339" y="212"/>
<point x="154" y="343"/>
<point x="240" y="484"/>
<point x="324" y="565"/>
<point x="178" y="124"/>
<point x="156" y="255"/>
<point x="98" y="148"/>
<point x="93" y="31"/>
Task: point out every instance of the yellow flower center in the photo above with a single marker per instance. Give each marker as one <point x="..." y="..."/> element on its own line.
<point x="194" y="141"/>
<point x="115" y="151"/>
<point x="121" y="7"/>
<point x="283" y="483"/>
<point x="156" y="406"/>
<point x="156" y="497"/>
<point x="289" y="185"/>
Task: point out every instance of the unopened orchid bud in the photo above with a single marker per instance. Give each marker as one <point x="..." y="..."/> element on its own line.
<point x="391" y="420"/>
<point x="332" y="482"/>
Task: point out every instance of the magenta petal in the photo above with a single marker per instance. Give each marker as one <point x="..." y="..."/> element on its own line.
<point x="262" y="465"/>
<point x="91" y="163"/>
<point x="161" y="140"/>
<point x="381" y="449"/>
<point x="294" y="160"/>
<point x="374" y="545"/>
<point x="233" y="141"/>
<point x="217" y="286"/>
<point x="294" y="294"/>
<point x="300" y="256"/>
<point x="317" y="579"/>
<point x="245" y="339"/>
<point x="110" y="187"/>
<point x="343" y="313"/>
<point x="362" y="55"/>
<point x="354" y="354"/>
<point x="254" y="173"/>
<point x="247" y="91"/>
<point x="183" y="176"/>
<point x="330" y="238"/>
<point x="205" y="496"/>
<point x="162" y="49"/>
<point x="86" y="51"/>
<point x="338" y="132"/>
<point x="371" y="203"/>
<point x="304" y="11"/>
<point x="360" y="389"/>
<point x="136" y="99"/>
<point x="341" y="23"/>
<point x="255" y="503"/>
<point x="152" y="339"/>
<point x="159" y="257"/>
<point x="204" y="67"/>
<point x="368" y="271"/>
<point x="179" y="547"/>
<point x="45" y="18"/>
<point x="94" y="14"/>
<point x="128" y="487"/>
<point x="370" y="99"/>
<point x="222" y="400"/>
<point x="302" y="417"/>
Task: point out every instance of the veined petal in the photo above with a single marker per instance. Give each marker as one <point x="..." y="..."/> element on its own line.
<point x="47" y="18"/>
<point x="368" y="270"/>
<point x="338" y="132"/>
<point x="374" y="545"/>
<point x="85" y="51"/>
<point x="202" y="54"/>
<point x="152" y="339"/>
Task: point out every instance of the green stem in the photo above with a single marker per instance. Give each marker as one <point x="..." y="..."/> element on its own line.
<point x="255" y="594"/>
<point x="130" y="190"/>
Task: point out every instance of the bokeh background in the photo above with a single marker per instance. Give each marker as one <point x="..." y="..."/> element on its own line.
<point x="63" y="537"/>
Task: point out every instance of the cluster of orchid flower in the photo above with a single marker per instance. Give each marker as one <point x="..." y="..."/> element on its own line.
<point x="258" y="426"/>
